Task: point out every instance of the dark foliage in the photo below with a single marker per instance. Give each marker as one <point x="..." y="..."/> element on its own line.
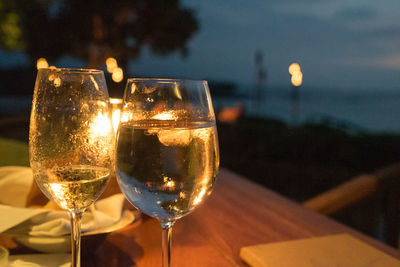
<point x="301" y="162"/>
<point x="95" y="29"/>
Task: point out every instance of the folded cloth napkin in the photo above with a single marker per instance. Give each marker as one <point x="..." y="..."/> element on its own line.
<point x="40" y="260"/>
<point x="15" y="183"/>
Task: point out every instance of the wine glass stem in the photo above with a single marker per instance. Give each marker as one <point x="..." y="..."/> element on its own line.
<point x="166" y="243"/>
<point x="75" y="217"/>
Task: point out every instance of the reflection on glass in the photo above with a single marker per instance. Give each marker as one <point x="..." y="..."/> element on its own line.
<point x="71" y="141"/>
<point x="167" y="151"/>
<point x="116" y="105"/>
<point x="41" y="63"/>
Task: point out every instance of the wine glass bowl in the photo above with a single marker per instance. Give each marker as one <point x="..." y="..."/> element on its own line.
<point x="71" y="140"/>
<point x="167" y="149"/>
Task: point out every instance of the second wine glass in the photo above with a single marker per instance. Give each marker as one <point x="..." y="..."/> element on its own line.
<point x="167" y="151"/>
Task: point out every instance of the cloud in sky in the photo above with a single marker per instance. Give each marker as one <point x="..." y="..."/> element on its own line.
<point x="357" y="13"/>
<point x="339" y="43"/>
<point x="390" y="63"/>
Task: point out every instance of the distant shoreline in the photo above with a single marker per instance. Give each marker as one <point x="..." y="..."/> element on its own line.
<point x="373" y="112"/>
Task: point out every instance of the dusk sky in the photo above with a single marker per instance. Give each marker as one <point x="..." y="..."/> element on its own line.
<point x="344" y="44"/>
<point x="341" y="44"/>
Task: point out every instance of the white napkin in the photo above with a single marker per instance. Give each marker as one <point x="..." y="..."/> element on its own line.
<point x="15" y="183"/>
<point x="40" y="260"/>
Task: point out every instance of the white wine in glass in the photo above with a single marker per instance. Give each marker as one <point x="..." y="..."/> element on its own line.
<point x="71" y="141"/>
<point x="167" y="151"/>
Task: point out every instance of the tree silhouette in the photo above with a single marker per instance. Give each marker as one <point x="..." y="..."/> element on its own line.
<point x="95" y="29"/>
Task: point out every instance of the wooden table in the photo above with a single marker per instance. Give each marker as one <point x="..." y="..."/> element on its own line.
<point x="238" y="213"/>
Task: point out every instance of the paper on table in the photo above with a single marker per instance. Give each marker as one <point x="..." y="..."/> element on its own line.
<point x="331" y="251"/>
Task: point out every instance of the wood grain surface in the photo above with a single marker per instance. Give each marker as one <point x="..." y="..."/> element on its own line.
<point x="238" y="213"/>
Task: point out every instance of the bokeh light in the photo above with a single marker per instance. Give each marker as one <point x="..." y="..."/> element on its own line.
<point x="118" y="75"/>
<point x="116" y="104"/>
<point x="42" y="63"/>
<point x="111" y="64"/>
<point x="297" y="78"/>
<point x="294" y="67"/>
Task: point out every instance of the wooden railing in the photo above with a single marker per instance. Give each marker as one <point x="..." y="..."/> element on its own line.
<point x="382" y="186"/>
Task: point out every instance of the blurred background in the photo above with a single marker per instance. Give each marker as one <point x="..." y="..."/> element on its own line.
<point x="306" y="93"/>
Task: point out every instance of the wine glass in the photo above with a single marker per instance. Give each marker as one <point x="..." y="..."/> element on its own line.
<point x="167" y="149"/>
<point x="71" y="141"/>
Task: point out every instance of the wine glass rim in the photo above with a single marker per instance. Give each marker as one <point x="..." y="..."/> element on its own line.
<point x="73" y="70"/>
<point x="165" y="80"/>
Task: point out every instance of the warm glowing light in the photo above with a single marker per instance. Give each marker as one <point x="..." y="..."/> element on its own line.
<point x="101" y="125"/>
<point x="177" y="92"/>
<point x="165" y="116"/>
<point x="101" y="103"/>
<point x="94" y="83"/>
<point x="57" y="82"/>
<point x="200" y="196"/>
<point x="169" y="183"/>
<point x="116" y="101"/>
<point x="52" y="67"/>
<point x="59" y="193"/>
<point x="298" y="73"/>
<point x="111" y="60"/>
<point x="111" y="64"/>
<point x="133" y="88"/>
<point x="118" y="71"/>
<point x="294" y="67"/>
<point x="116" y="104"/>
<point x="117" y="75"/>
<point x="115" y="119"/>
<point x="231" y="114"/>
<point x="297" y="78"/>
<point x="174" y="137"/>
<point x="125" y="117"/>
<point x="41" y="63"/>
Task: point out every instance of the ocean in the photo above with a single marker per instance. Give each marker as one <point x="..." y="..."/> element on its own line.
<point x="14" y="104"/>
<point x="373" y="111"/>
